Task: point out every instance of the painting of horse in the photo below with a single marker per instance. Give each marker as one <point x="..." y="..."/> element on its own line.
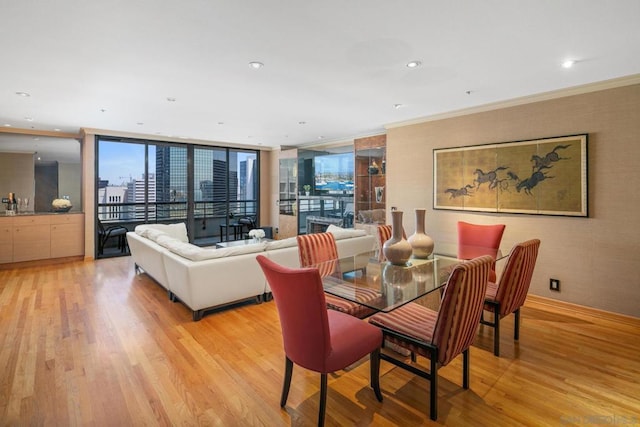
<point x="544" y="176"/>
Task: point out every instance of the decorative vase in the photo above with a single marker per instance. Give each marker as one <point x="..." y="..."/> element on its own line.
<point x="373" y="168"/>
<point x="421" y="244"/>
<point x="397" y="250"/>
<point x="379" y="194"/>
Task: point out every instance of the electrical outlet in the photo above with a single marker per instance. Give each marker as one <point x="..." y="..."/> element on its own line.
<point x="554" y="284"/>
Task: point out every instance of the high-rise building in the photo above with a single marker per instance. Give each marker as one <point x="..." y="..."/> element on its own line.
<point x="136" y="194"/>
<point x="171" y="181"/>
<point x="247" y="182"/>
<point x="108" y="195"/>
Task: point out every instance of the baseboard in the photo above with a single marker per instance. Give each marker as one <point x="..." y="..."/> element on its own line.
<point x="40" y="262"/>
<point x="535" y="300"/>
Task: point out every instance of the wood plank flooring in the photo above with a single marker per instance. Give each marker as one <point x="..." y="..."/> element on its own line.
<point x="92" y="343"/>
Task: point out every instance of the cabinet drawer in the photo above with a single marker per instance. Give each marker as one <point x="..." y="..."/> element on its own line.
<point x="34" y="233"/>
<point x="31" y="220"/>
<point x="67" y="219"/>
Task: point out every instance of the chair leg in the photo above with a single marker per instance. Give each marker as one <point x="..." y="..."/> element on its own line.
<point x="288" y="372"/>
<point x="433" y="398"/>
<point x="496" y="330"/>
<point x="323" y="399"/>
<point x="465" y="369"/>
<point x="374" y="362"/>
<point x="516" y="326"/>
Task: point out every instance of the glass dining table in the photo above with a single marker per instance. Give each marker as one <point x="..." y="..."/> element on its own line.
<point x="383" y="286"/>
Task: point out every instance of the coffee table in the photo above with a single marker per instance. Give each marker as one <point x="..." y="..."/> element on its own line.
<point x="235" y="243"/>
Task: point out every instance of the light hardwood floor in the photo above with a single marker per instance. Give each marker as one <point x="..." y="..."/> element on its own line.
<point x="92" y="343"/>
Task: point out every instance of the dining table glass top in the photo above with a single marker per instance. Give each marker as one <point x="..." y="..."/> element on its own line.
<point x="356" y="278"/>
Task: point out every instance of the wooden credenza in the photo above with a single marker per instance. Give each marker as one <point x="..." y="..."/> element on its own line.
<point x="38" y="237"/>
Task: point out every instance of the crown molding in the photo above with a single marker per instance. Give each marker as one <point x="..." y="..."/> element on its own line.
<point x="47" y="133"/>
<point x="545" y="96"/>
<point x="163" y="138"/>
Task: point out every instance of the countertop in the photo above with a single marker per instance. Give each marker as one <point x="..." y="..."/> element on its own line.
<point x="4" y="214"/>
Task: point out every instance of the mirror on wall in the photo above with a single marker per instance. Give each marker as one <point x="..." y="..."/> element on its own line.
<point x="39" y="169"/>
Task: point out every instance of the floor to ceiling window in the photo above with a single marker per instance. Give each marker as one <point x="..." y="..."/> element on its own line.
<point x="208" y="188"/>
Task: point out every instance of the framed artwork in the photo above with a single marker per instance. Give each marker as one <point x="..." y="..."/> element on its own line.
<point x="544" y="177"/>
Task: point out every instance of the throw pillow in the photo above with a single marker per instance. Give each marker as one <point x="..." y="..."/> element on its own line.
<point x="177" y="230"/>
<point x="279" y="244"/>
<point x="344" y="233"/>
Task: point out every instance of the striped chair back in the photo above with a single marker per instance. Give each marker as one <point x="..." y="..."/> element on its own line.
<point x="516" y="277"/>
<point x="461" y="307"/>
<point x="318" y="250"/>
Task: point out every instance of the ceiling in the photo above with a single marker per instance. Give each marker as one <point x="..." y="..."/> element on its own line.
<point x="333" y="69"/>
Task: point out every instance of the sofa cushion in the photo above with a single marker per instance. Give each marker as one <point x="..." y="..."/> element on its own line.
<point x="196" y="253"/>
<point x="344" y="233"/>
<point x="154" y="235"/>
<point x="284" y="243"/>
<point x="177" y="230"/>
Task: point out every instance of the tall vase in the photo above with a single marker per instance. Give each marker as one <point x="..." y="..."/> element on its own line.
<point x="397" y="250"/>
<point x="421" y="244"/>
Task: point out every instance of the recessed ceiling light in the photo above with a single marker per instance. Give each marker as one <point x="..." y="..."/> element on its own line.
<point x="24" y="94"/>
<point x="396" y="106"/>
<point x="29" y="119"/>
<point x="568" y="63"/>
<point x="256" y="64"/>
<point x="413" y="64"/>
<point x="7" y="125"/>
<point x="321" y="137"/>
<point x="57" y="130"/>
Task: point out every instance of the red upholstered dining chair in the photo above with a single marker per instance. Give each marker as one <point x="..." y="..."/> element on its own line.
<point x="315" y="338"/>
<point x="509" y="294"/>
<point x="320" y="250"/>
<point x="440" y="336"/>
<point x="475" y="240"/>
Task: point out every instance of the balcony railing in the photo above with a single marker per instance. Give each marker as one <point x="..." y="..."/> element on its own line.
<point x="208" y="216"/>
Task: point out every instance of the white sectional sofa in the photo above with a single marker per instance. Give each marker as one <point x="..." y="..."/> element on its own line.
<point x="206" y="278"/>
